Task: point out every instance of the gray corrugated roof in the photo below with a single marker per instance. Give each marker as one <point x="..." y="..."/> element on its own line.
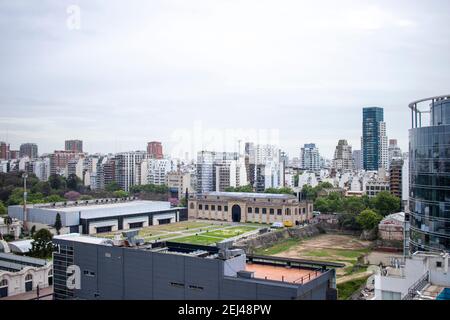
<point x="10" y="266"/>
<point x="22" y="259"/>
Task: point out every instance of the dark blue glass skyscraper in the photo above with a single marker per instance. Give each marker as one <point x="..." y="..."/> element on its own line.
<point x="429" y="175"/>
<point x="372" y="117"/>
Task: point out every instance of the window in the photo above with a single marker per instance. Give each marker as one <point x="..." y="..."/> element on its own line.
<point x="264" y="210"/>
<point x="4" y="283"/>
<point x="29" y="277"/>
<point x="89" y="273"/>
<point x="438" y="264"/>
<point x="213" y="207"/>
<point x="225" y="208"/>
<point x="192" y="205"/>
<point x="288" y="211"/>
<point x="219" y="208"/>
<point x="177" y="284"/>
<point x="195" y="287"/>
<point x="272" y="211"/>
<point x="279" y="212"/>
<point x="206" y="207"/>
<point x="250" y="210"/>
<point x="200" y="207"/>
<point x="256" y="210"/>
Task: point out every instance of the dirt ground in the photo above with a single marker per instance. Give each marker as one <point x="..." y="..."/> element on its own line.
<point x="329" y="247"/>
<point x="325" y="242"/>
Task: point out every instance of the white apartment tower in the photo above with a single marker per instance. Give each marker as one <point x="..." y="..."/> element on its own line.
<point x="383" y="161"/>
<point x="310" y="157"/>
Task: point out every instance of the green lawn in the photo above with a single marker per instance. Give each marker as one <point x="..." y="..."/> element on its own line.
<point x="200" y="239"/>
<point x="346" y="289"/>
<point x="279" y="247"/>
<point x="230" y="232"/>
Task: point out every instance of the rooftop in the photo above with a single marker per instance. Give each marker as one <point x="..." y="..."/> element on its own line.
<point x="282" y="273"/>
<point x="76" y="237"/>
<point x="249" y="195"/>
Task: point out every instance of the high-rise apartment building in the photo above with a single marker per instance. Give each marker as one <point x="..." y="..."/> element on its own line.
<point x="59" y="160"/>
<point x="154" y="150"/>
<point x="383" y="159"/>
<point x="74" y="146"/>
<point x="370" y="141"/>
<point x="208" y="162"/>
<point x="29" y="150"/>
<point x="128" y="165"/>
<point x="395" y="177"/>
<point x="310" y="157"/>
<point x="4" y="150"/>
<point x="357" y="160"/>
<point x="429" y="175"/>
<point x="343" y="158"/>
<point x="394" y="150"/>
<point x="154" y="171"/>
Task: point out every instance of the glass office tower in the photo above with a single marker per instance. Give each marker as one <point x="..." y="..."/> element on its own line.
<point x="371" y="137"/>
<point x="429" y="173"/>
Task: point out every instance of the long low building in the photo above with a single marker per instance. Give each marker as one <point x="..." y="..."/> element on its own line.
<point x="177" y="271"/>
<point x="101" y="215"/>
<point x="249" y="207"/>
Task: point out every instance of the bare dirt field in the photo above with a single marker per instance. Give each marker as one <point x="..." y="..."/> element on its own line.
<point x="330" y="247"/>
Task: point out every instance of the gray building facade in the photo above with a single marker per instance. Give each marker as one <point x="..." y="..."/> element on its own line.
<point x="171" y="271"/>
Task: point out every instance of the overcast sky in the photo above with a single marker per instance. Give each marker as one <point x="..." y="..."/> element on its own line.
<point x="122" y="73"/>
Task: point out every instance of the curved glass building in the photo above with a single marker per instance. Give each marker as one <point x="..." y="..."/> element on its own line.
<point x="429" y="175"/>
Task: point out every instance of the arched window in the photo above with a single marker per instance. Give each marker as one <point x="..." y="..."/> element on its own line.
<point x="29" y="277"/>
<point x="192" y="205"/>
<point x="3" y="283"/>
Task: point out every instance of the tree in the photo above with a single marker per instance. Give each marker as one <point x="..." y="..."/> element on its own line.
<point x="354" y="205"/>
<point x="58" y="223"/>
<point x="74" y="183"/>
<point x="113" y="186"/>
<point x="368" y="219"/>
<point x="247" y="189"/>
<point x="385" y="203"/>
<point x="348" y="221"/>
<point x="57" y="182"/>
<point x="54" y="198"/>
<point x="322" y="205"/>
<point x="3" y="210"/>
<point x="33" y="230"/>
<point x="72" y="195"/>
<point x="42" y="246"/>
<point x="283" y="190"/>
<point x="120" y="194"/>
<point x="183" y="202"/>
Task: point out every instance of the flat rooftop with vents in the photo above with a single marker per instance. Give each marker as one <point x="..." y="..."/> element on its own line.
<point x="130" y="269"/>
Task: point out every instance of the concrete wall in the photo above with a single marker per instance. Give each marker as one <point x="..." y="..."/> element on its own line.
<point x="270" y="238"/>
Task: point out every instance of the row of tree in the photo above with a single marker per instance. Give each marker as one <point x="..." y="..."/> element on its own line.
<point x="383" y="203"/>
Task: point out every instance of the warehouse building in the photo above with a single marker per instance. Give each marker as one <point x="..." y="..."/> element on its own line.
<point x="175" y="271"/>
<point x="100" y="215"/>
<point x="249" y="207"/>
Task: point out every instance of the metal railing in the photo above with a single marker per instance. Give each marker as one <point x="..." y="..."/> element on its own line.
<point x="417" y="286"/>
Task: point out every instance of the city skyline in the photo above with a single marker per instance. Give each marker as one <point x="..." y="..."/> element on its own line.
<point x="307" y="73"/>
